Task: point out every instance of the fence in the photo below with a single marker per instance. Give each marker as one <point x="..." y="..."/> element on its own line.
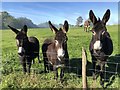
<point x="78" y="67"/>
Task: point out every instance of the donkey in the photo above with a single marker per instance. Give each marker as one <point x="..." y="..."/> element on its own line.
<point x="55" y="51"/>
<point x="28" y="47"/>
<point x="101" y="45"/>
<point x="87" y="25"/>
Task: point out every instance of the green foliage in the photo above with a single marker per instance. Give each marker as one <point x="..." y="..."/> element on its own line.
<point x="13" y="77"/>
<point x="79" y="21"/>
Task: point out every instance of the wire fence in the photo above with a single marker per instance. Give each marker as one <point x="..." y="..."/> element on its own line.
<point x="74" y="67"/>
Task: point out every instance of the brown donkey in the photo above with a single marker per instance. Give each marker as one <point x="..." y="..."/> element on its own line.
<point x="55" y="52"/>
<point x="87" y="25"/>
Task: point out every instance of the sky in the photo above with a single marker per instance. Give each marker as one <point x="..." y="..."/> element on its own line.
<point x="57" y="12"/>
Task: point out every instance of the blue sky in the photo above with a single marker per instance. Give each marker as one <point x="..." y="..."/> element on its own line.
<point x="57" y="12"/>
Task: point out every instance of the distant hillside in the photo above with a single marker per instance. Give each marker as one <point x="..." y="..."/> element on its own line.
<point x="6" y="19"/>
<point x="46" y="25"/>
<point x="43" y="25"/>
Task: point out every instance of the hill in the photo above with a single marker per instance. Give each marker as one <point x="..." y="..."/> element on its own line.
<point x="6" y="19"/>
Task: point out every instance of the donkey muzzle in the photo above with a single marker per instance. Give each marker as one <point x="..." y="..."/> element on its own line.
<point x="20" y="50"/>
<point x="97" y="45"/>
<point x="61" y="52"/>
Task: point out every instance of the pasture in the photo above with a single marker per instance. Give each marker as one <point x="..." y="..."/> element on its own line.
<point x="13" y="77"/>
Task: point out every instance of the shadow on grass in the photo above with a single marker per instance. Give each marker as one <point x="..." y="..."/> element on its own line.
<point x="112" y="69"/>
<point x="76" y="67"/>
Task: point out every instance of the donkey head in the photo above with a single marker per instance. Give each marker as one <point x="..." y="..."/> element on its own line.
<point x="21" y="39"/>
<point x="60" y="38"/>
<point x="99" y="29"/>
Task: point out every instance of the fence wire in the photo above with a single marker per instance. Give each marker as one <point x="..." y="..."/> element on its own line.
<point x="74" y="69"/>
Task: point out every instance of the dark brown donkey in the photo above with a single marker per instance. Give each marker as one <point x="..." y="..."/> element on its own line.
<point x="28" y="47"/>
<point x="101" y="45"/>
<point x="54" y="51"/>
<point x="87" y="25"/>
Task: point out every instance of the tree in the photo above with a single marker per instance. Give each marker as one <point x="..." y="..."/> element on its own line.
<point x="79" y="21"/>
<point x="60" y="25"/>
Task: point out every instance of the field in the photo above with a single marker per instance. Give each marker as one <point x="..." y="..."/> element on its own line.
<point x="13" y="77"/>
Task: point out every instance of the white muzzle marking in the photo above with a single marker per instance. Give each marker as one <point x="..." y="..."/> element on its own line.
<point x="60" y="52"/>
<point x="97" y="45"/>
<point x="20" y="49"/>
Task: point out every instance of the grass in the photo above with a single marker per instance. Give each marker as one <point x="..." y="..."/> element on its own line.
<point x="12" y="76"/>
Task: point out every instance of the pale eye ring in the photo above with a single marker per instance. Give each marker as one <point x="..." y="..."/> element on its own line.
<point x="103" y="32"/>
<point x="56" y="42"/>
<point x="94" y="33"/>
<point x="65" y="40"/>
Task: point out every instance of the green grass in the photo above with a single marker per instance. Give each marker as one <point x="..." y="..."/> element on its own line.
<point x="12" y="76"/>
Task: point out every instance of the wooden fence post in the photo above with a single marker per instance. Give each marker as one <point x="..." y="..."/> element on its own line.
<point x="84" y="63"/>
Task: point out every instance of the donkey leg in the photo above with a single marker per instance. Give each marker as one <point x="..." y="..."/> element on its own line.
<point x="33" y="61"/>
<point x="29" y="66"/>
<point x="29" y="60"/>
<point x="67" y="63"/>
<point x="102" y="66"/>
<point x="39" y="58"/>
<point x="45" y="65"/>
<point x="23" y="62"/>
<point x="56" y="72"/>
<point x="61" y="73"/>
<point x="86" y="29"/>
<point x="94" y="67"/>
<point x="101" y="79"/>
<point x="24" y="67"/>
<point x="94" y="70"/>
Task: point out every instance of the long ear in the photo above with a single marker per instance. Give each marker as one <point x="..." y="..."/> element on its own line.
<point x="13" y="29"/>
<point x="24" y="29"/>
<point x="65" y="26"/>
<point x="106" y="16"/>
<point x="92" y="17"/>
<point x="54" y="29"/>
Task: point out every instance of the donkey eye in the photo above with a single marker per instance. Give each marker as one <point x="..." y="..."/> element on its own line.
<point x="103" y="32"/>
<point x="94" y="33"/>
<point x="56" y="42"/>
<point x="65" y="40"/>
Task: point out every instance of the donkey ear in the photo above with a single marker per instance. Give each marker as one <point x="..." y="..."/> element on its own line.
<point x="53" y="28"/>
<point x="65" y="26"/>
<point x="106" y="16"/>
<point x="92" y="17"/>
<point x="24" y="29"/>
<point x="13" y="29"/>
